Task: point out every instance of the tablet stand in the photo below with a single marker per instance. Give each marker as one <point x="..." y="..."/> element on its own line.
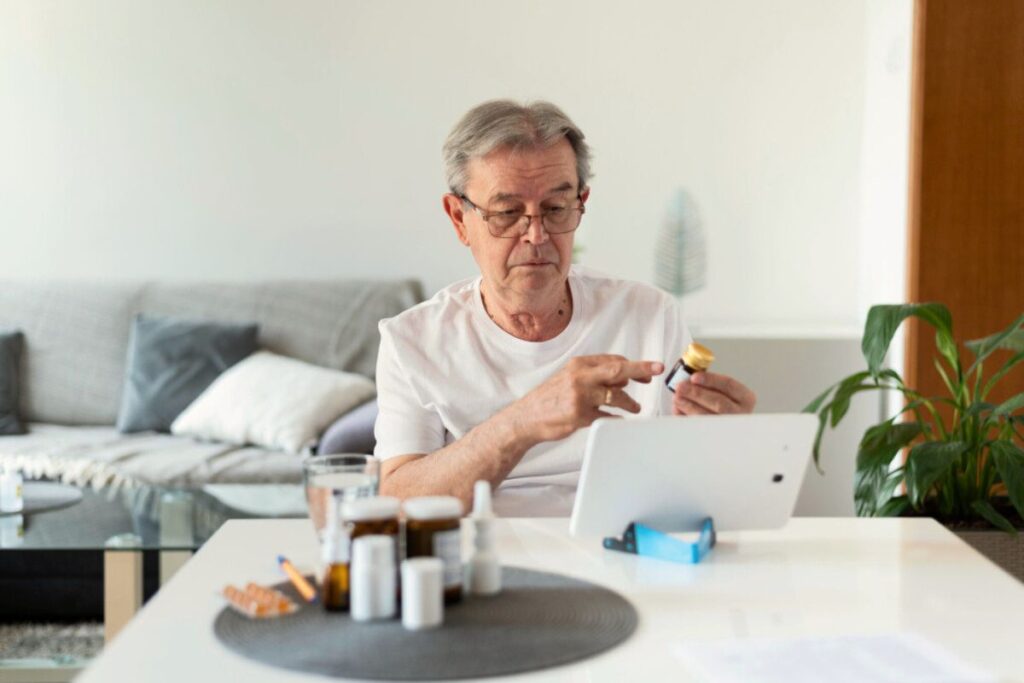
<point x="643" y="540"/>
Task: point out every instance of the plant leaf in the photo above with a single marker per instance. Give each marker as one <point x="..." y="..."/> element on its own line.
<point x="841" y="402"/>
<point x="867" y="484"/>
<point x="977" y="408"/>
<point x="894" y="507"/>
<point x="872" y="484"/>
<point x="1009" y="461"/>
<point x="1011" y="338"/>
<point x="890" y="485"/>
<point x="947" y="347"/>
<point x="1009" y="405"/>
<point x="874" y="489"/>
<point x="882" y="442"/>
<point x="816" y="449"/>
<point x="889" y="373"/>
<point x="945" y="377"/>
<point x="927" y="463"/>
<point x="1002" y="373"/>
<point x="992" y="516"/>
<point x="813" y="406"/>
<point x="847" y="388"/>
<point x="883" y="321"/>
<point x="851" y="380"/>
<point x="1015" y="341"/>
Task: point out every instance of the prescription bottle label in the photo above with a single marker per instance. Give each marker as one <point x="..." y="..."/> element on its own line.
<point x="676" y="378"/>
<point x="448" y="547"/>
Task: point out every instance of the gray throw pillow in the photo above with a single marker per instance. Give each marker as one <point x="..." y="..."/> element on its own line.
<point x="352" y="432"/>
<point x="10" y="359"/>
<point x="171" y="361"/>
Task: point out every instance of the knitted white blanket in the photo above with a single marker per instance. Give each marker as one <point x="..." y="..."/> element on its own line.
<point x="103" y="457"/>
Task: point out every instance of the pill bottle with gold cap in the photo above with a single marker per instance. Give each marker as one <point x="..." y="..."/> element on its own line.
<point x="695" y="358"/>
<point x="432" y="529"/>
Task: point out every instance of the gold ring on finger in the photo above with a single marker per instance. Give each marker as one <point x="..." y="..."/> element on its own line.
<point x="608" y="397"/>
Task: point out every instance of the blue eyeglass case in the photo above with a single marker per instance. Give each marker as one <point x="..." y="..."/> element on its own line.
<point x="639" y="539"/>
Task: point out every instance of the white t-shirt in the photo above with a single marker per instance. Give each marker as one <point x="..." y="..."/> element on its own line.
<point x="444" y="367"/>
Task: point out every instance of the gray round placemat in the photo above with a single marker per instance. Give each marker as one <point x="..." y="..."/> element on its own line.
<point x="539" y="620"/>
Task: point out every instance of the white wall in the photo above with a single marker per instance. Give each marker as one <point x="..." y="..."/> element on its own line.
<point x="238" y="139"/>
<point x="885" y="152"/>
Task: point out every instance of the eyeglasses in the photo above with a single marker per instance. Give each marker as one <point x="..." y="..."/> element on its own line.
<point x="556" y="219"/>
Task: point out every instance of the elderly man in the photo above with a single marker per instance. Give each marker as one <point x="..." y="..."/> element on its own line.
<point x="495" y="377"/>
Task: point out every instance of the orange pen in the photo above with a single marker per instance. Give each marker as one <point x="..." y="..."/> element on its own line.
<point x="305" y="589"/>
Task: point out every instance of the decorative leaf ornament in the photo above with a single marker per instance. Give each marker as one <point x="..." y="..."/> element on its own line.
<point x="680" y="257"/>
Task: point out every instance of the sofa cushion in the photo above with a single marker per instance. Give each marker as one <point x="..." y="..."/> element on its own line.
<point x="273" y="401"/>
<point x="76" y="336"/>
<point x="331" y="323"/>
<point x="171" y="362"/>
<point x="76" y="333"/>
<point x="10" y="361"/>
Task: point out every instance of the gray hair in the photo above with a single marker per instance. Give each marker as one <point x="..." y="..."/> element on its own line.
<point x="501" y="123"/>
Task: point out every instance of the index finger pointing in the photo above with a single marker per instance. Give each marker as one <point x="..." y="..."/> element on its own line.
<point x="620" y="371"/>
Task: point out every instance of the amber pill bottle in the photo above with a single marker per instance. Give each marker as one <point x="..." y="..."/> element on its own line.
<point x="432" y="529"/>
<point x="335" y="583"/>
<point x="695" y="358"/>
<point x="377" y="515"/>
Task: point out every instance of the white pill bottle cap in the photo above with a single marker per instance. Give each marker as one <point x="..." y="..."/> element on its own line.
<point x="433" y="507"/>
<point x="377" y="507"/>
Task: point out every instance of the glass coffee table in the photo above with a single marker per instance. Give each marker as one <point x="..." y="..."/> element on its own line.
<point x="124" y="525"/>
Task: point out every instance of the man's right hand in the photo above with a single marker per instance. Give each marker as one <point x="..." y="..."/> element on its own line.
<point x="574" y="397"/>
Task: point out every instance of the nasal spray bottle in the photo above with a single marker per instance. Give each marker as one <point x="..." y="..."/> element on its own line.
<point x="483" y="570"/>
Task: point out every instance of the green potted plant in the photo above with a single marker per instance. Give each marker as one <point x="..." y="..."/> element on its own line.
<point x="964" y="468"/>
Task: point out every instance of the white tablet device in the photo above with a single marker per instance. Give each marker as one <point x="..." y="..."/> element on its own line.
<point x="743" y="471"/>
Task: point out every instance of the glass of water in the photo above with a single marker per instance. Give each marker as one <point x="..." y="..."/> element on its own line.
<point x="332" y="479"/>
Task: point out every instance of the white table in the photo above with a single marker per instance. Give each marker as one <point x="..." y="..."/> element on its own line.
<point x="815" y="577"/>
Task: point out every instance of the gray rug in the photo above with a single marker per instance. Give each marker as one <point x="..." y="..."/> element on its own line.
<point x="538" y="621"/>
<point x="51" y="641"/>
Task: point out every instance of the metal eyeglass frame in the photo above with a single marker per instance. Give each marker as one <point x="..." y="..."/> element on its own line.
<point x="487" y="215"/>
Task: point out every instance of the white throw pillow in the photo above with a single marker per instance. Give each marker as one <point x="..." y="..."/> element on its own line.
<point x="272" y="401"/>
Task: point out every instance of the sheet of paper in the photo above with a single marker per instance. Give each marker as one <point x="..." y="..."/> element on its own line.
<point x="896" y="658"/>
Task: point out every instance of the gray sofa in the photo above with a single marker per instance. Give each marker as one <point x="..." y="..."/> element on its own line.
<point x="72" y="369"/>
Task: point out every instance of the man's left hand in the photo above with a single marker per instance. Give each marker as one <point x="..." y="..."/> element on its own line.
<point x="708" y="393"/>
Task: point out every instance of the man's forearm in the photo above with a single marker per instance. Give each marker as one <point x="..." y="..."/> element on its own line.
<point x="489" y="451"/>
